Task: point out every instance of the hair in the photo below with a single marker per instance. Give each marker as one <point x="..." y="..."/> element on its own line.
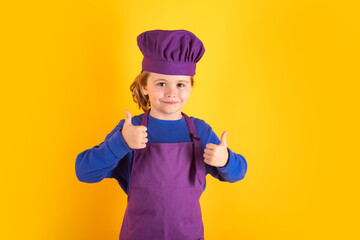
<point x="135" y="88"/>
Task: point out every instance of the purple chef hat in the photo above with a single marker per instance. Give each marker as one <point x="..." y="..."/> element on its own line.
<point x="171" y="52"/>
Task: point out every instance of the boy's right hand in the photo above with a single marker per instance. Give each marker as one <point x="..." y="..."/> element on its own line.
<point x="135" y="136"/>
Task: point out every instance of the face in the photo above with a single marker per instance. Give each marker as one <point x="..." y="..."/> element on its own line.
<point x="168" y="94"/>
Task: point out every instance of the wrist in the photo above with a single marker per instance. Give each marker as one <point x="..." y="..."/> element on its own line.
<point x="124" y="139"/>
<point x="228" y="158"/>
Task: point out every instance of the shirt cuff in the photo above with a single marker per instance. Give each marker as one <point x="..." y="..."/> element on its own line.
<point x="230" y="164"/>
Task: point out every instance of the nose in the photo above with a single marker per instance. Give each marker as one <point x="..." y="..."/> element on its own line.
<point x="171" y="92"/>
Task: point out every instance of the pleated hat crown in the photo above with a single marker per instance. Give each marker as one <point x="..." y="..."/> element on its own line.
<point x="171" y="52"/>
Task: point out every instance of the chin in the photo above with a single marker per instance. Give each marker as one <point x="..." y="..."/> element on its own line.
<point x="171" y="111"/>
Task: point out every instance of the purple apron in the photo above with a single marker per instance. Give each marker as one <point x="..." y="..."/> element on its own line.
<point x="167" y="180"/>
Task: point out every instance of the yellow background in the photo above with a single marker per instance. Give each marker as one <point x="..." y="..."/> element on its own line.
<point x="281" y="76"/>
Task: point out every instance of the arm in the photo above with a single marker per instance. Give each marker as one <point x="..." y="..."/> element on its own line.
<point x="96" y="163"/>
<point x="235" y="170"/>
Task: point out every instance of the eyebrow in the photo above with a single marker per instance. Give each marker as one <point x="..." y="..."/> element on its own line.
<point x="167" y="80"/>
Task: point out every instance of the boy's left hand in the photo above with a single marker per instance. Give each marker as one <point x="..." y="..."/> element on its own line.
<point x="217" y="155"/>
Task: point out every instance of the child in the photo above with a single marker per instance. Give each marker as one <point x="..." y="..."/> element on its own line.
<point x="157" y="157"/>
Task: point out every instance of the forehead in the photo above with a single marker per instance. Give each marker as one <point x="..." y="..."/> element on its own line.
<point x="169" y="78"/>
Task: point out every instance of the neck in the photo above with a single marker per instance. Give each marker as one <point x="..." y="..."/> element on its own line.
<point x="170" y="116"/>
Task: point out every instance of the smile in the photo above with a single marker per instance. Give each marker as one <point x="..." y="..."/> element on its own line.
<point x="170" y="102"/>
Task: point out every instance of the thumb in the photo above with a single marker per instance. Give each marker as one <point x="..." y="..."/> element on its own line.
<point x="223" y="138"/>
<point x="128" y="118"/>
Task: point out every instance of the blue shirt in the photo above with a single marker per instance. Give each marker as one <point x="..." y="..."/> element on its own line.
<point x="112" y="158"/>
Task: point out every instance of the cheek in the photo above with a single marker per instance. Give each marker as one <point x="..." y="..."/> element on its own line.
<point x="155" y="93"/>
<point x="185" y="94"/>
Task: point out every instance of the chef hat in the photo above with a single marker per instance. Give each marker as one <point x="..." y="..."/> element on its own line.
<point x="171" y="52"/>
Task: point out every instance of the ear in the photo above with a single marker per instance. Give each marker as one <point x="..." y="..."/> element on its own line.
<point x="144" y="90"/>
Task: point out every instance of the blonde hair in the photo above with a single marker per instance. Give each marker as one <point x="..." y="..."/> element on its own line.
<point x="135" y="88"/>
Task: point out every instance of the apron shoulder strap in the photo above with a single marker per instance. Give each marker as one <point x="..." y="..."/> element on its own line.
<point x="198" y="151"/>
<point x="191" y="125"/>
<point x="144" y="119"/>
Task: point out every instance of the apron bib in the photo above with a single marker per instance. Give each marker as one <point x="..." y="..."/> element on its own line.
<point x="167" y="180"/>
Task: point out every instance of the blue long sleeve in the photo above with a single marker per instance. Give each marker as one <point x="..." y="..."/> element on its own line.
<point x="112" y="158"/>
<point x="96" y="163"/>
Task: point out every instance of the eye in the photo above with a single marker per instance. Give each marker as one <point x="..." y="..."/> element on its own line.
<point x="181" y="85"/>
<point x="159" y="84"/>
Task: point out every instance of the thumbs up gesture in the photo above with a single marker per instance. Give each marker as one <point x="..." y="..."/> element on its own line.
<point x="217" y="155"/>
<point x="135" y="136"/>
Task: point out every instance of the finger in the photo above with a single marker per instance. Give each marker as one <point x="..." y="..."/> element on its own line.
<point x="128" y="118"/>
<point x="142" y="128"/>
<point x="207" y="156"/>
<point x="211" y="146"/>
<point x="209" y="151"/>
<point x="223" y="138"/>
<point x="207" y="160"/>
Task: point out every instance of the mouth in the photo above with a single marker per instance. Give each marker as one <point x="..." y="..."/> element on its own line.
<point x="170" y="102"/>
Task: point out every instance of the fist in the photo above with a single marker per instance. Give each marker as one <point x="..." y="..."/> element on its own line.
<point x="217" y="155"/>
<point x="135" y="136"/>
